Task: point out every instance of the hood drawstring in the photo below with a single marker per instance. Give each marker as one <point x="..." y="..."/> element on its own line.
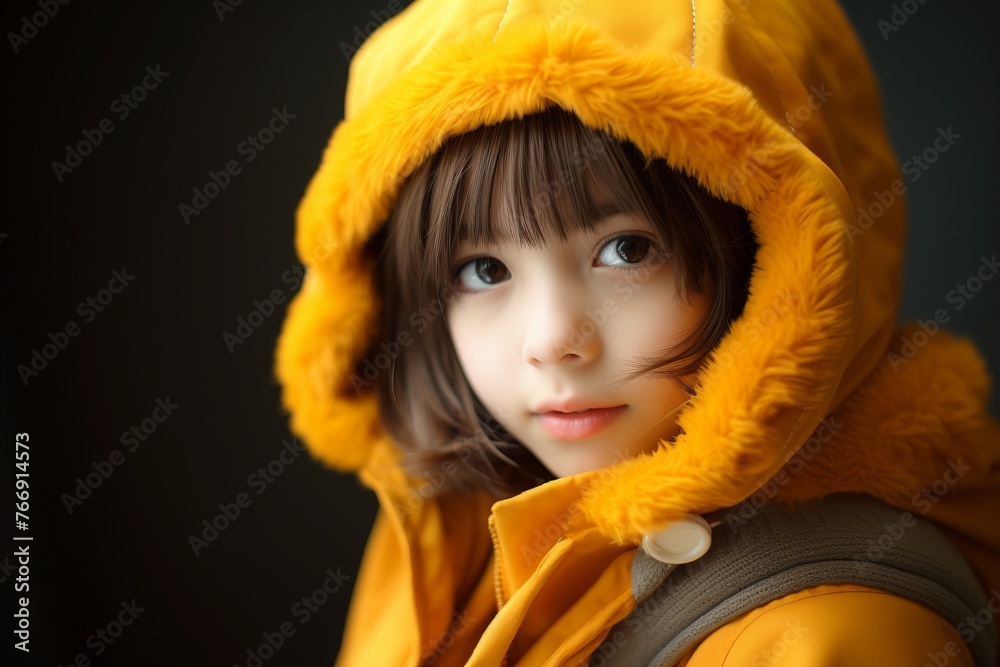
<point x="694" y="30"/>
<point x="502" y="19"/>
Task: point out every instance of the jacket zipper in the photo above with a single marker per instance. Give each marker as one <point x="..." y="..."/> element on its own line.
<point x="497" y="570"/>
<point x="497" y="573"/>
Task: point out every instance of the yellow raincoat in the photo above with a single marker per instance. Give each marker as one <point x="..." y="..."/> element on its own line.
<point x="770" y="104"/>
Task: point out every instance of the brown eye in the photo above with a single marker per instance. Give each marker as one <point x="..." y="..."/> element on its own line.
<point x="632" y="248"/>
<point x="490" y="271"/>
<point x="481" y="273"/>
<point x="625" y="250"/>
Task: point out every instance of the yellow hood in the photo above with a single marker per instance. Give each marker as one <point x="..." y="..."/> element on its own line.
<point x="770" y="104"/>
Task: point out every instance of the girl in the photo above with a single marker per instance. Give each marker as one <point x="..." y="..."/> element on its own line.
<point x="589" y="308"/>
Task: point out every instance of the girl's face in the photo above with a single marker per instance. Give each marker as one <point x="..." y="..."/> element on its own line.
<point x="545" y="335"/>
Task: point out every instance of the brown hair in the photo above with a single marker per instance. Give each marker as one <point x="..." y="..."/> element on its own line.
<point x="521" y="181"/>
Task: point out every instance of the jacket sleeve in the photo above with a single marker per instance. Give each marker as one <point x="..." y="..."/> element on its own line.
<point x="834" y="625"/>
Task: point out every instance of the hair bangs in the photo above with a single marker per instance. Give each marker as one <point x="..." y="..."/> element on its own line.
<point x="523" y="184"/>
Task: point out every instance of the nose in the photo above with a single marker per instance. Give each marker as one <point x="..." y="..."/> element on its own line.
<point x="559" y="331"/>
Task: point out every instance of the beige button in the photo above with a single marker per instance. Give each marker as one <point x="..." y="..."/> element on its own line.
<point x="681" y="542"/>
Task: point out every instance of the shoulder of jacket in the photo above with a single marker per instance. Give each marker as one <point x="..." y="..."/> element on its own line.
<point x="834" y="625"/>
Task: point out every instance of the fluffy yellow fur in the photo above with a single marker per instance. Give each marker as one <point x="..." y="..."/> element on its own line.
<point x="897" y="433"/>
<point x="803" y="343"/>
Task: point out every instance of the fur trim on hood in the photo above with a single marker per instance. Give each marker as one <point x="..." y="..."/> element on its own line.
<point x="772" y="106"/>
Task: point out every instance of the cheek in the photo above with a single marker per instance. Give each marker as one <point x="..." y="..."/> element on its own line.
<point x="477" y="342"/>
<point x="654" y="319"/>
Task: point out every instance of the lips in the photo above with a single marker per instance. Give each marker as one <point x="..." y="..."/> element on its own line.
<point x="579" y="423"/>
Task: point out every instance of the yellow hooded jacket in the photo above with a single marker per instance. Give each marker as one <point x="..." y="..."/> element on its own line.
<point x="815" y="390"/>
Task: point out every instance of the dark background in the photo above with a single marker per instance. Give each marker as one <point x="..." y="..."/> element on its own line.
<point x="162" y="335"/>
